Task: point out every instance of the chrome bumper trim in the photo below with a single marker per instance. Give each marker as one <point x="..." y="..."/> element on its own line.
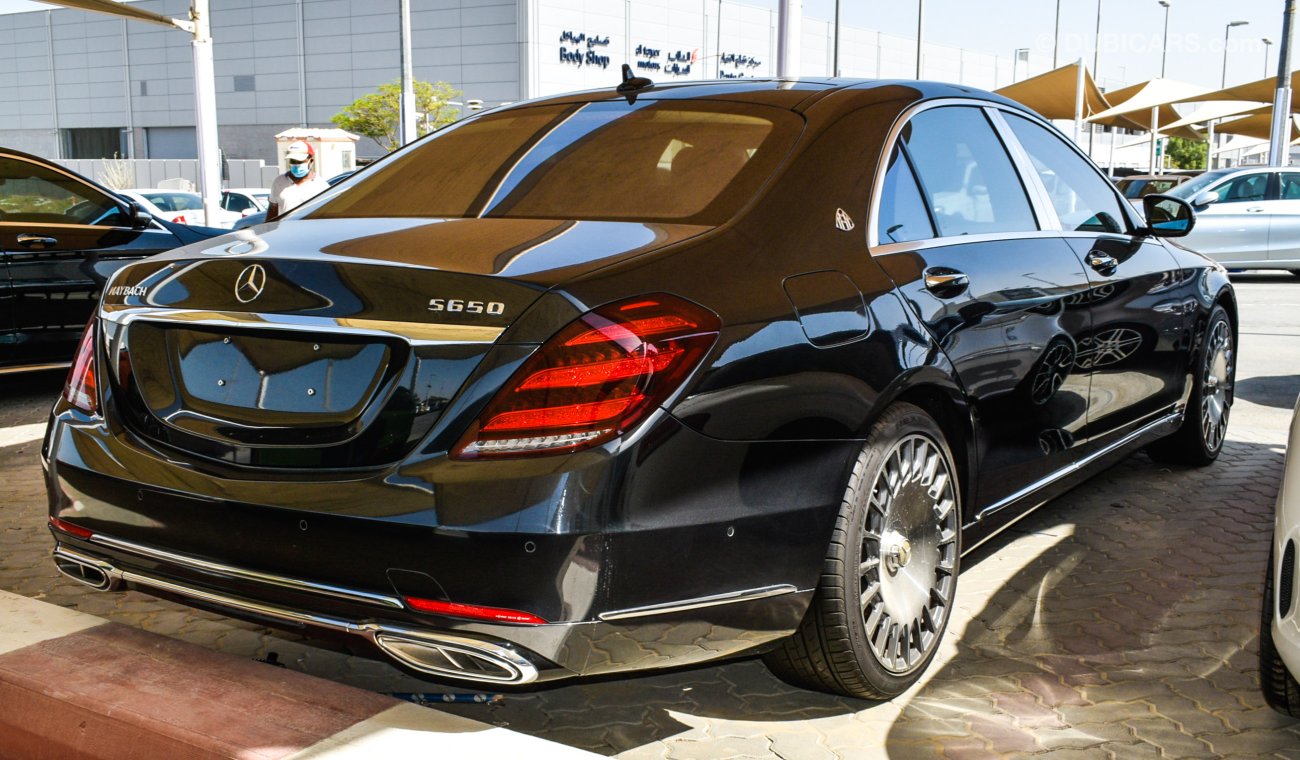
<point x="519" y="669"/>
<point x="34" y="367"/>
<point x="731" y="597"/>
<point x="418" y="333"/>
<point x="229" y="571"/>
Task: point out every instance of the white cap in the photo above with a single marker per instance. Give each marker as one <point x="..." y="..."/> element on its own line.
<point x="299" y="151"/>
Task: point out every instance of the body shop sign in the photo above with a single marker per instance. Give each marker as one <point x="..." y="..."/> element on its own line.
<point x="585" y="50"/>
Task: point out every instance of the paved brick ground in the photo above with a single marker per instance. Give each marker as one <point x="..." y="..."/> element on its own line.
<point x="1120" y="621"/>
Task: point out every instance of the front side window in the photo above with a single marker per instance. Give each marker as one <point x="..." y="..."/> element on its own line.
<point x="965" y="173"/>
<point x="1083" y="199"/>
<point x="901" y="215"/>
<point x="670" y="161"/>
<point x="37" y="194"/>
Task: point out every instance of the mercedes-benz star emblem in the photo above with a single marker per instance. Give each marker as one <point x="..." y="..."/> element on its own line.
<point x="251" y="283"/>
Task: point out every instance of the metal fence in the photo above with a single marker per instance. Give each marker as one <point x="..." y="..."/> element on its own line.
<point x="125" y="174"/>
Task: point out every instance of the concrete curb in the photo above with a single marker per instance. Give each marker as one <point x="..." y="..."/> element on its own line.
<point x="74" y="686"/>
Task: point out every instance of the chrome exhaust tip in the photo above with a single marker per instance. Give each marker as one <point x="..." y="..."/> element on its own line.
<point x="455" y="657"/>
<point x="98" y="575"/>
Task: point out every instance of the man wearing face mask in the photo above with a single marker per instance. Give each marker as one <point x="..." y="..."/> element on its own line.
<point x="301" y="182"/>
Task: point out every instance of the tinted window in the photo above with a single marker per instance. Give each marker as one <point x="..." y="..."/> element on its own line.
<point x="1083" y="199"/>
<point x="33" y="193"/>
<point x="902" y="215"/>
<point x="1290" y="186"/>
<point x="1248" y="187"/>
<point x="965" y="173"/>
<point x="1196" y="184"/>
<point x="695" y="162"/>
<point x="233" y="202"/>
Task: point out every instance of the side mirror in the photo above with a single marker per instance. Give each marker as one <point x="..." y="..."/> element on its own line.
<point x="1206" y="198"/>
<point x="1168" y="216"/>
<point x="138" y="216"/>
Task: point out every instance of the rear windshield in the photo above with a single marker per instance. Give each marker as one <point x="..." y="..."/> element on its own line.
<point x="694" y="162"/>
<point x="174" y="201"/>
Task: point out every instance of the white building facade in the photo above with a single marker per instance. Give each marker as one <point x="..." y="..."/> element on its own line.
<point x="82" y="85"/>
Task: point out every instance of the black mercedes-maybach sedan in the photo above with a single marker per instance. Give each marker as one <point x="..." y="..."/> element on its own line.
<point x="641" y="377"/>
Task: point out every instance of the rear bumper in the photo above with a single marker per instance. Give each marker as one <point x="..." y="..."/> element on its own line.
<point x="690" y="630"/>
<point x="681" y="550"/>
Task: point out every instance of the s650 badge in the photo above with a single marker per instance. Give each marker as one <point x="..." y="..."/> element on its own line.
<point x="467" y="307"/>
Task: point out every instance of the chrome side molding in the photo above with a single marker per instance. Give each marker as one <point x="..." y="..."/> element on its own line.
<point x="699" y="602"/>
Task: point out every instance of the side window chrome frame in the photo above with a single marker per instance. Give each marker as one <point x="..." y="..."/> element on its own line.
<point x="1126" y="208"/>
<point x="1035" y="193"/>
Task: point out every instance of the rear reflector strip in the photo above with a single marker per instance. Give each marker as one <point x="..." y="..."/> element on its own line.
<point x="472" y="611"/>
<point x="72" y="530"/>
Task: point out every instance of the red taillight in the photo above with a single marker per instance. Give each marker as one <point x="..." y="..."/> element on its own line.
<point x="473" y="611"/>
<point x="70" y="529"/>
<point x="594" y="379"/>
<point x="80" y="389"/>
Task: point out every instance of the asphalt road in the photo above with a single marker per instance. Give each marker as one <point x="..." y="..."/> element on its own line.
<point x="1119" y="621"/>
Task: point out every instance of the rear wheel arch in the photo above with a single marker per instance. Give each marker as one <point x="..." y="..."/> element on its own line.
<point x="949" y="409"/>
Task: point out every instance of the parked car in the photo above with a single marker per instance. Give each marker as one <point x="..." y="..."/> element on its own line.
<point x="245" y="200"/>
<point x="61" y="237"/>
<point x="1246" y="218"/>
<point x="179" y="206"/>
<point x="1279" y="629"/>
<point x="1137" y="186"/>
<point x="639" y="378"/>
<point x="254" y="218"/>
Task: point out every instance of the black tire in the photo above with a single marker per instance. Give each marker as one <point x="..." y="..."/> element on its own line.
<point x="1280" y="688"/>
<point x="845" y="636"/>
<point x="1199" y="439"/>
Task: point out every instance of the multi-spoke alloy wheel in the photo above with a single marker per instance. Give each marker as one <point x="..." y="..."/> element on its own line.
<point x="909" y="554"/>
<point x="1205" y="423"/>
<point x="1216" y="384"/>
<point x="887" y="585"/>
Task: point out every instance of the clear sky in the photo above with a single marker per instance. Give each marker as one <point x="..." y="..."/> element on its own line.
<point x="1131" y="31"/>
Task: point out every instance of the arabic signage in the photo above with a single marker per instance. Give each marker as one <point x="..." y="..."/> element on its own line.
<point x="676" y="63"/>
<point x="586" y="50"/>
<point x="736" y="65"/>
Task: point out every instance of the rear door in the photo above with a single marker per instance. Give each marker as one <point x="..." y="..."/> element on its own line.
<point x="957" y="232"/>
<point x="1284" y="221"/>
<point x="61" y="239"/>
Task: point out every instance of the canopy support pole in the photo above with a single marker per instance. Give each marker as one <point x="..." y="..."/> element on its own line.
<point x="1078" y="104"/>
<point x="1280" y="137"/>
<point x="1155" y="129"/>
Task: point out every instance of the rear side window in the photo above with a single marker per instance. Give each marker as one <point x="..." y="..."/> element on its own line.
<point x="902" y="216"/>
<point x="1290" y="186"/>
<point x="32" y="193"/>
<point x="965" y="173"/>
<point x="1083" y="199"/>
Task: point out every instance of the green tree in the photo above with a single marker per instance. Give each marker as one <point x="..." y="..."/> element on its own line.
<point x="377" y="115"/>
<point x="1186" y="154"/>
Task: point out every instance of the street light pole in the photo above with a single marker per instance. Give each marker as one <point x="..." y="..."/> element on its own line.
<point x="1213" y="144"/>
<point x="1096" y="56"/>
<point x="1267" y="44"/>
<point x="1056" y="37"/>
<point x="205" y="122"/>
<point x="1164" y="46"/>
<point x="920" y="34"/>
<point x="1227" y="28"/>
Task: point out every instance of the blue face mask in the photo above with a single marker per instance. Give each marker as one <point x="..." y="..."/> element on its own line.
<point x="298" y="171"/>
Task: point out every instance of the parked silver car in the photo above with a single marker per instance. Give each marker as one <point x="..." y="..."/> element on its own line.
<point x="1246" y="218"/>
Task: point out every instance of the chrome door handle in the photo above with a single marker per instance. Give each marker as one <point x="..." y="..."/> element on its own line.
<point x="39" y="242"/>
<point x="1254" y="209"/>
<point x="946" y="283"/>
<point x="1102" y="262"/>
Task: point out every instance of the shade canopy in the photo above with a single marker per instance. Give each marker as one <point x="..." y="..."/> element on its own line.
<point x="1135" y="102"/>
<point x="122" y="10"/>
<point x="1218" y="110"/>
<point x="1258" y="125"/>
<point x="1260" y="91"/>
<point x="1054" y="94"/>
